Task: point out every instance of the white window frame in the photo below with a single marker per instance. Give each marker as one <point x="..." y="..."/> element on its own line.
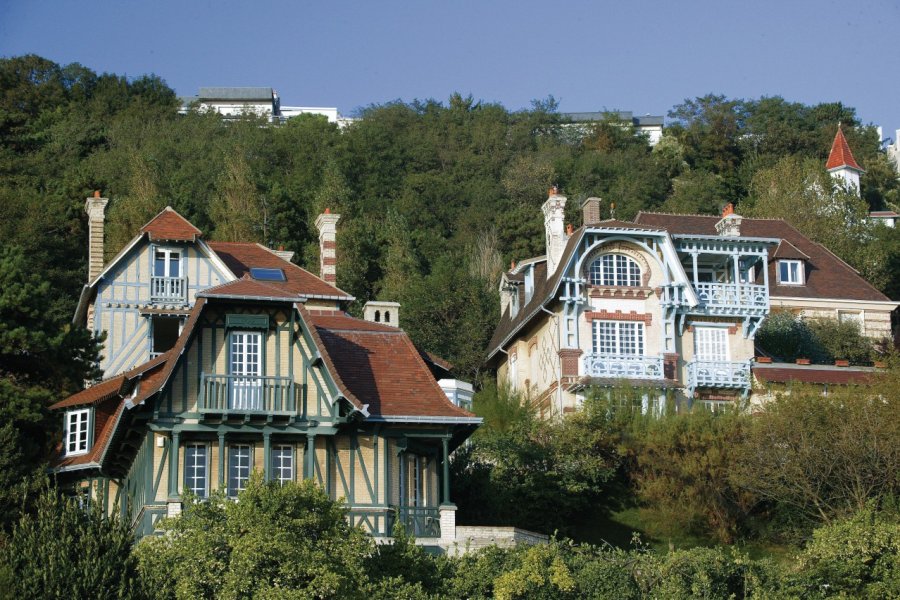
<point x="617" y="340"/>
<point x="190" y="477"/>
<point x="77" y="432"/>
<point x="238" y="482"/>
<point x="167" y="261"/>
<point x="789" y="280"/>
<point x="711" y="344"/>
<point x="246" y="368"/>
<point x="281" y="472"/>
<point x="614" y="270"/>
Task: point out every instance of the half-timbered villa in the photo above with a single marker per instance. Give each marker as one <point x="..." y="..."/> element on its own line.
<point x="226" y="358"/>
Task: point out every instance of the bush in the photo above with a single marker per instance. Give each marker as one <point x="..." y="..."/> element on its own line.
<point x="858" y="557"/>
<point x="821" y="458"/>
<point x="787" y="337"/>
<point x="842" y="340"/>
<point x="65" y="551"/>
<point x="681" y="473"/>
<point x="276" y="541"/>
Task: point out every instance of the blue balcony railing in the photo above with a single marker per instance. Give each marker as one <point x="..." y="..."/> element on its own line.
<point x="168" y="289"/>
<point x="247" y="395"/>
<point x="718" y="374"/>
<point x="623" y="366"/>
<point x="732" y="298"/>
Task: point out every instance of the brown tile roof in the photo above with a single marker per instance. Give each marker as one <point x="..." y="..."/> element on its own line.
<point x="111" y="387"/>
<point x="169" y="225"/>
<point x="248" y="288"/>
<point x="813" y="374"/>
<point x="240" y="257"/>
<point x="786" y="249"/>
<point x="840" y="155"/>
<point x="106" y="415"/>
<point x="543" y="289"/>
<point x="827" y="276"/>
<point x="377" y="365"/>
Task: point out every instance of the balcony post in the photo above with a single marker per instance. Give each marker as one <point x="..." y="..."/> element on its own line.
<point x="309" y="465"/>
<point x="737" y="278"/>
<point x="694" y="260"/>
<point x="221" y="460"/>
<point x="445" y="442"/>
<point x="267" y="456"/>
<point x="173" y="465"/>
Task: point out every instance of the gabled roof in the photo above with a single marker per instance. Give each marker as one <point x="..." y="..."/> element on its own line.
<point x="840" y="155"/>
<point x="544" y="288"/>
<point x="114" y="386"/>
<point x="786" y="249"/>
<point x="170" y="226"/>
<point x="378" y="369"/>
<point x="240" y="257"/>
<point x="826" y="275"/>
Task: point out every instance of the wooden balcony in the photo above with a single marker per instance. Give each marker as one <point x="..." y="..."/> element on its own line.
<point x="172" y="290"/>
<point x="237" y="394"/>
<point x="719" y="374"/>
<point x="738" y="299"/>
<point x="623" y="366"/>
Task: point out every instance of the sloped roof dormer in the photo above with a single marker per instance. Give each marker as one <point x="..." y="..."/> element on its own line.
<point x="171" y="227"/>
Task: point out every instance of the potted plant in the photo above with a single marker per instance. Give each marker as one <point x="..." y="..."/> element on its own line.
<point x="802" y="361"/>
<point x="842" y="362"/>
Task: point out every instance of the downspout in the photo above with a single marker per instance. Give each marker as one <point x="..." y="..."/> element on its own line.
<point x="559" y="405"/>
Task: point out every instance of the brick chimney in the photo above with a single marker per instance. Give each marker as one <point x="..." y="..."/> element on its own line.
<point x="326" y="223"/>
<point x="590" y="211"/>
<point x="95" y="207"/>
<point x="554" y="228"/>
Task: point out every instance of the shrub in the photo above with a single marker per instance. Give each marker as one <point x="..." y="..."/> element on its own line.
<point x="843" y="340"/>
<point x="787" y="337"/>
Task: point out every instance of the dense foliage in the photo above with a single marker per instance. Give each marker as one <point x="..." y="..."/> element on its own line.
<point x="66" y="551"/>
<point x="788" y="337"/>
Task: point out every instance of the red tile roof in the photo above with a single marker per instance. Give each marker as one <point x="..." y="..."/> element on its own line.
<point x="840" y="155"/>
<point x="786" y="249"/>
<point x="169" y="225"/>
<point x="377" y="365"/>
<point x="110" y="388"/>
<point x="827" y="276"/>
<point x="240" y="257"/>
<point x="813" y="374"/>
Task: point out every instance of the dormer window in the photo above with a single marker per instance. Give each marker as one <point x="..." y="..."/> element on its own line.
<point x="167" y="263"/>
<point x="76" y="436"/>
<point x="614" y="270"/>
<point x="790" y="272"/>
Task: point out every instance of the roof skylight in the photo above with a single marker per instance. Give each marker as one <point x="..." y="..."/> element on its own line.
<point x="264" y="274"/>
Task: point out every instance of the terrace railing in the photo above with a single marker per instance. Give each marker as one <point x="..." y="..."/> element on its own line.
<point x="168" y="289"/>
<point x="623" y="366"/>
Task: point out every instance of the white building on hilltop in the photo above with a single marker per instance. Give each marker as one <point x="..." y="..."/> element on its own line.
<point x="232" y="102"/>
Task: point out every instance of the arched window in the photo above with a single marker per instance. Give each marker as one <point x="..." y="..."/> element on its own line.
<point x="387" y="316"/>
<point x="377" y="316"/>
<point x="614" y="269"/>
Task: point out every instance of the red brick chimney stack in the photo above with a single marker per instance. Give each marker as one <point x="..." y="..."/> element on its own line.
<point x="326" y="223"/>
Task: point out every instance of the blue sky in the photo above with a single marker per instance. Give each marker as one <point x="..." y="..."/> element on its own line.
<point x="644" y="56"/>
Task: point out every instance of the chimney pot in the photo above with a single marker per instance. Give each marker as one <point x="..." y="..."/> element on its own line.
<point x="569" y="229"/>
<point x="327" y="211"/>
<point x="728" y="210"/>
<point x="96" y="193"/>
<point x="553" y="191"/>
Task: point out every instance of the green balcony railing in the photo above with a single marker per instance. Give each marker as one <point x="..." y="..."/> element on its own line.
<point x="247" y="395"/>
<point x="419" y="521"/>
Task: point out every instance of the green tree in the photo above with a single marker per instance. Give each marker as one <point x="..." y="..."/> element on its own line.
<point x="66" y="551"/>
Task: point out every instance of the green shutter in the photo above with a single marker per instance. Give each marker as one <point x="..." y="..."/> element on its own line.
<point x="247" y="321"/>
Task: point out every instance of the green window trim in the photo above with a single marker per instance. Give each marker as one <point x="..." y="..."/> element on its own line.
<point x="238" y="321"/>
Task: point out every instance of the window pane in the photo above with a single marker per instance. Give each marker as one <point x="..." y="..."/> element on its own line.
<point x="239" y="460"/>
<point x="159" y="264"/>
<point x="283" y="463"/>
<point x="174" y="264"/>
<point x="195" y="469"/>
